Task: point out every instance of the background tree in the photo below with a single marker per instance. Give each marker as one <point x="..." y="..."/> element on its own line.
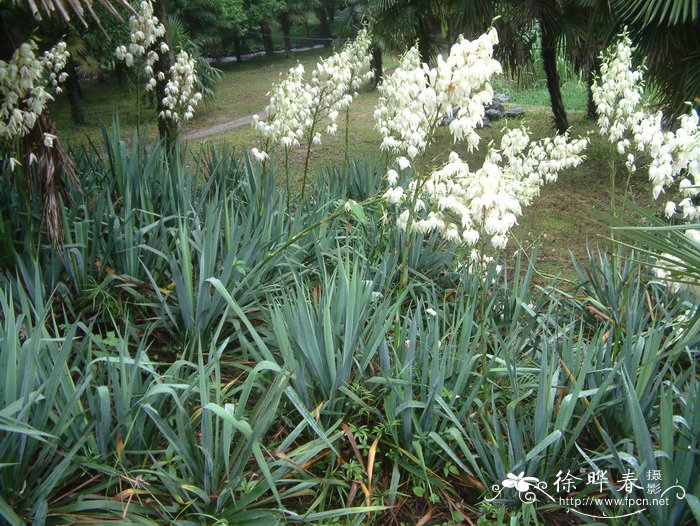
<point x="667" y="35"/>
<point x="260" y="14"/>
<point x="325" y="11"/>
<point x="588" y="26"/>
<point x="402" y="23"/>
<point x="514" y="19"/>
<point x="291" y="11"/>
<point x="355" y="15"/>
<point x="213" y="24"/>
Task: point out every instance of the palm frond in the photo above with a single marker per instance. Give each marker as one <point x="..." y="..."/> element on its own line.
<point x="64" y="9"/>
<point x="667" y="34"/>
<point x="659" y="12"/>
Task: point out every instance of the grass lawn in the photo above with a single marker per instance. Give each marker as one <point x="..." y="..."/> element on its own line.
<point x="561" y="221"/>
<point x="242" y="90"/>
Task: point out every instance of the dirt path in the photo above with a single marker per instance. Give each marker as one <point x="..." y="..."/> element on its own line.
<point x="240" y="121"/>
<point x="222" y="128"/>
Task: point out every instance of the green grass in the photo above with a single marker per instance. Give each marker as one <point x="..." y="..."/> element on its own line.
<point x="561" y="221"/>
<point x="242" y="90"/>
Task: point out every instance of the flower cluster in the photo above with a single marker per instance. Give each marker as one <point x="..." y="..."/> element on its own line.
<point x="145" y="30"/>
<point x="288" y="111"/>
<point x="180" y="92"/>
<point x="296" y="107"/>
<point x="358" y="58"/>
<point x="675" y="156"/>
<point x="55" y="60"/>
<point x="23" y="87"/>
<point x="335" y="81"/>
<point x="415" y="98"/>
<point x="465" y="205"/>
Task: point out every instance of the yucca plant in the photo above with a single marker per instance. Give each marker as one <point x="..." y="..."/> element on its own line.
<point x="669" y="247"/>
<point x="43" y="425"/>
<point x="329" y="332"/>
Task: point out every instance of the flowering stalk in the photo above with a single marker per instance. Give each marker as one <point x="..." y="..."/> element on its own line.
<point x="633" y="127"/>
<point x="463" y="205"/>
<point x="312" y="138"/>
<point x="629" y="124"/>
<point x="286" y="171"/>
<point x="26" y="85"/>
<point x="145" y="32"/>
<point x="26" y="82"/>
<point x="297" y="107"/>
<point x="175" y="84"/>
<point x="180" y="93"/>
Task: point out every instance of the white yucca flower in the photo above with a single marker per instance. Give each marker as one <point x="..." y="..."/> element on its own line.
<point x="675" y="155"/>
<point x="297" y="106"/>
<point x="55" y="61"/>
<point x="628" y="123"/>
<point x="416" y="98"/>
<point x="181" y="95"/>
<point x="145" y="30"/>
<point x="464" y="205"/>
<point x="288" y="113"/>
<point x="24" y="88"/>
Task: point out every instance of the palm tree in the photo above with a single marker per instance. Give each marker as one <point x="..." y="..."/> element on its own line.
<point x="667" y="38"/>
<point x="64" y="9"/>
<point x="403" y="22"/>
<point x="517" y="21"/>
<point x="667" y="35"/>
<point x="587" y="28"/>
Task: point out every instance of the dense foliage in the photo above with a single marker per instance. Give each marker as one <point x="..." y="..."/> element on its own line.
<point x="202" y="346"/>
<point x="195" y="343"/>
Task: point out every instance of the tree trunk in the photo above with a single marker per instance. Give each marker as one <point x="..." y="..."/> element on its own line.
<point x="120" y="72"/>
<point x="48" y="173"/>
<point x="238" y="48"/>
<point x="593" y="70"/>
<point x="549" y="61"/>
<point x="326" y="30"/>
<point x="286" y="23"/>
<point x="73" y="93"/>
<point x="377" y="63"/>
<point x="267" y="37"/>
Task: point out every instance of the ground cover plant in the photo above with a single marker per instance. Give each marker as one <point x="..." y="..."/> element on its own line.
<point x="225" y="336"/>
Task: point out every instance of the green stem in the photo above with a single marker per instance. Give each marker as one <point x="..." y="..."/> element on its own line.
<point x="266" y="150"/>
<point x="347" y="134"/>
<point x="482" y="314"/>
<point x="306" y="169"/>
<point x="296" y="237"/>
<point x="286" y="171"/>
<point x="613" y="248"/>
<point x="309" y="142"/>
<point x="412" y="206"/>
